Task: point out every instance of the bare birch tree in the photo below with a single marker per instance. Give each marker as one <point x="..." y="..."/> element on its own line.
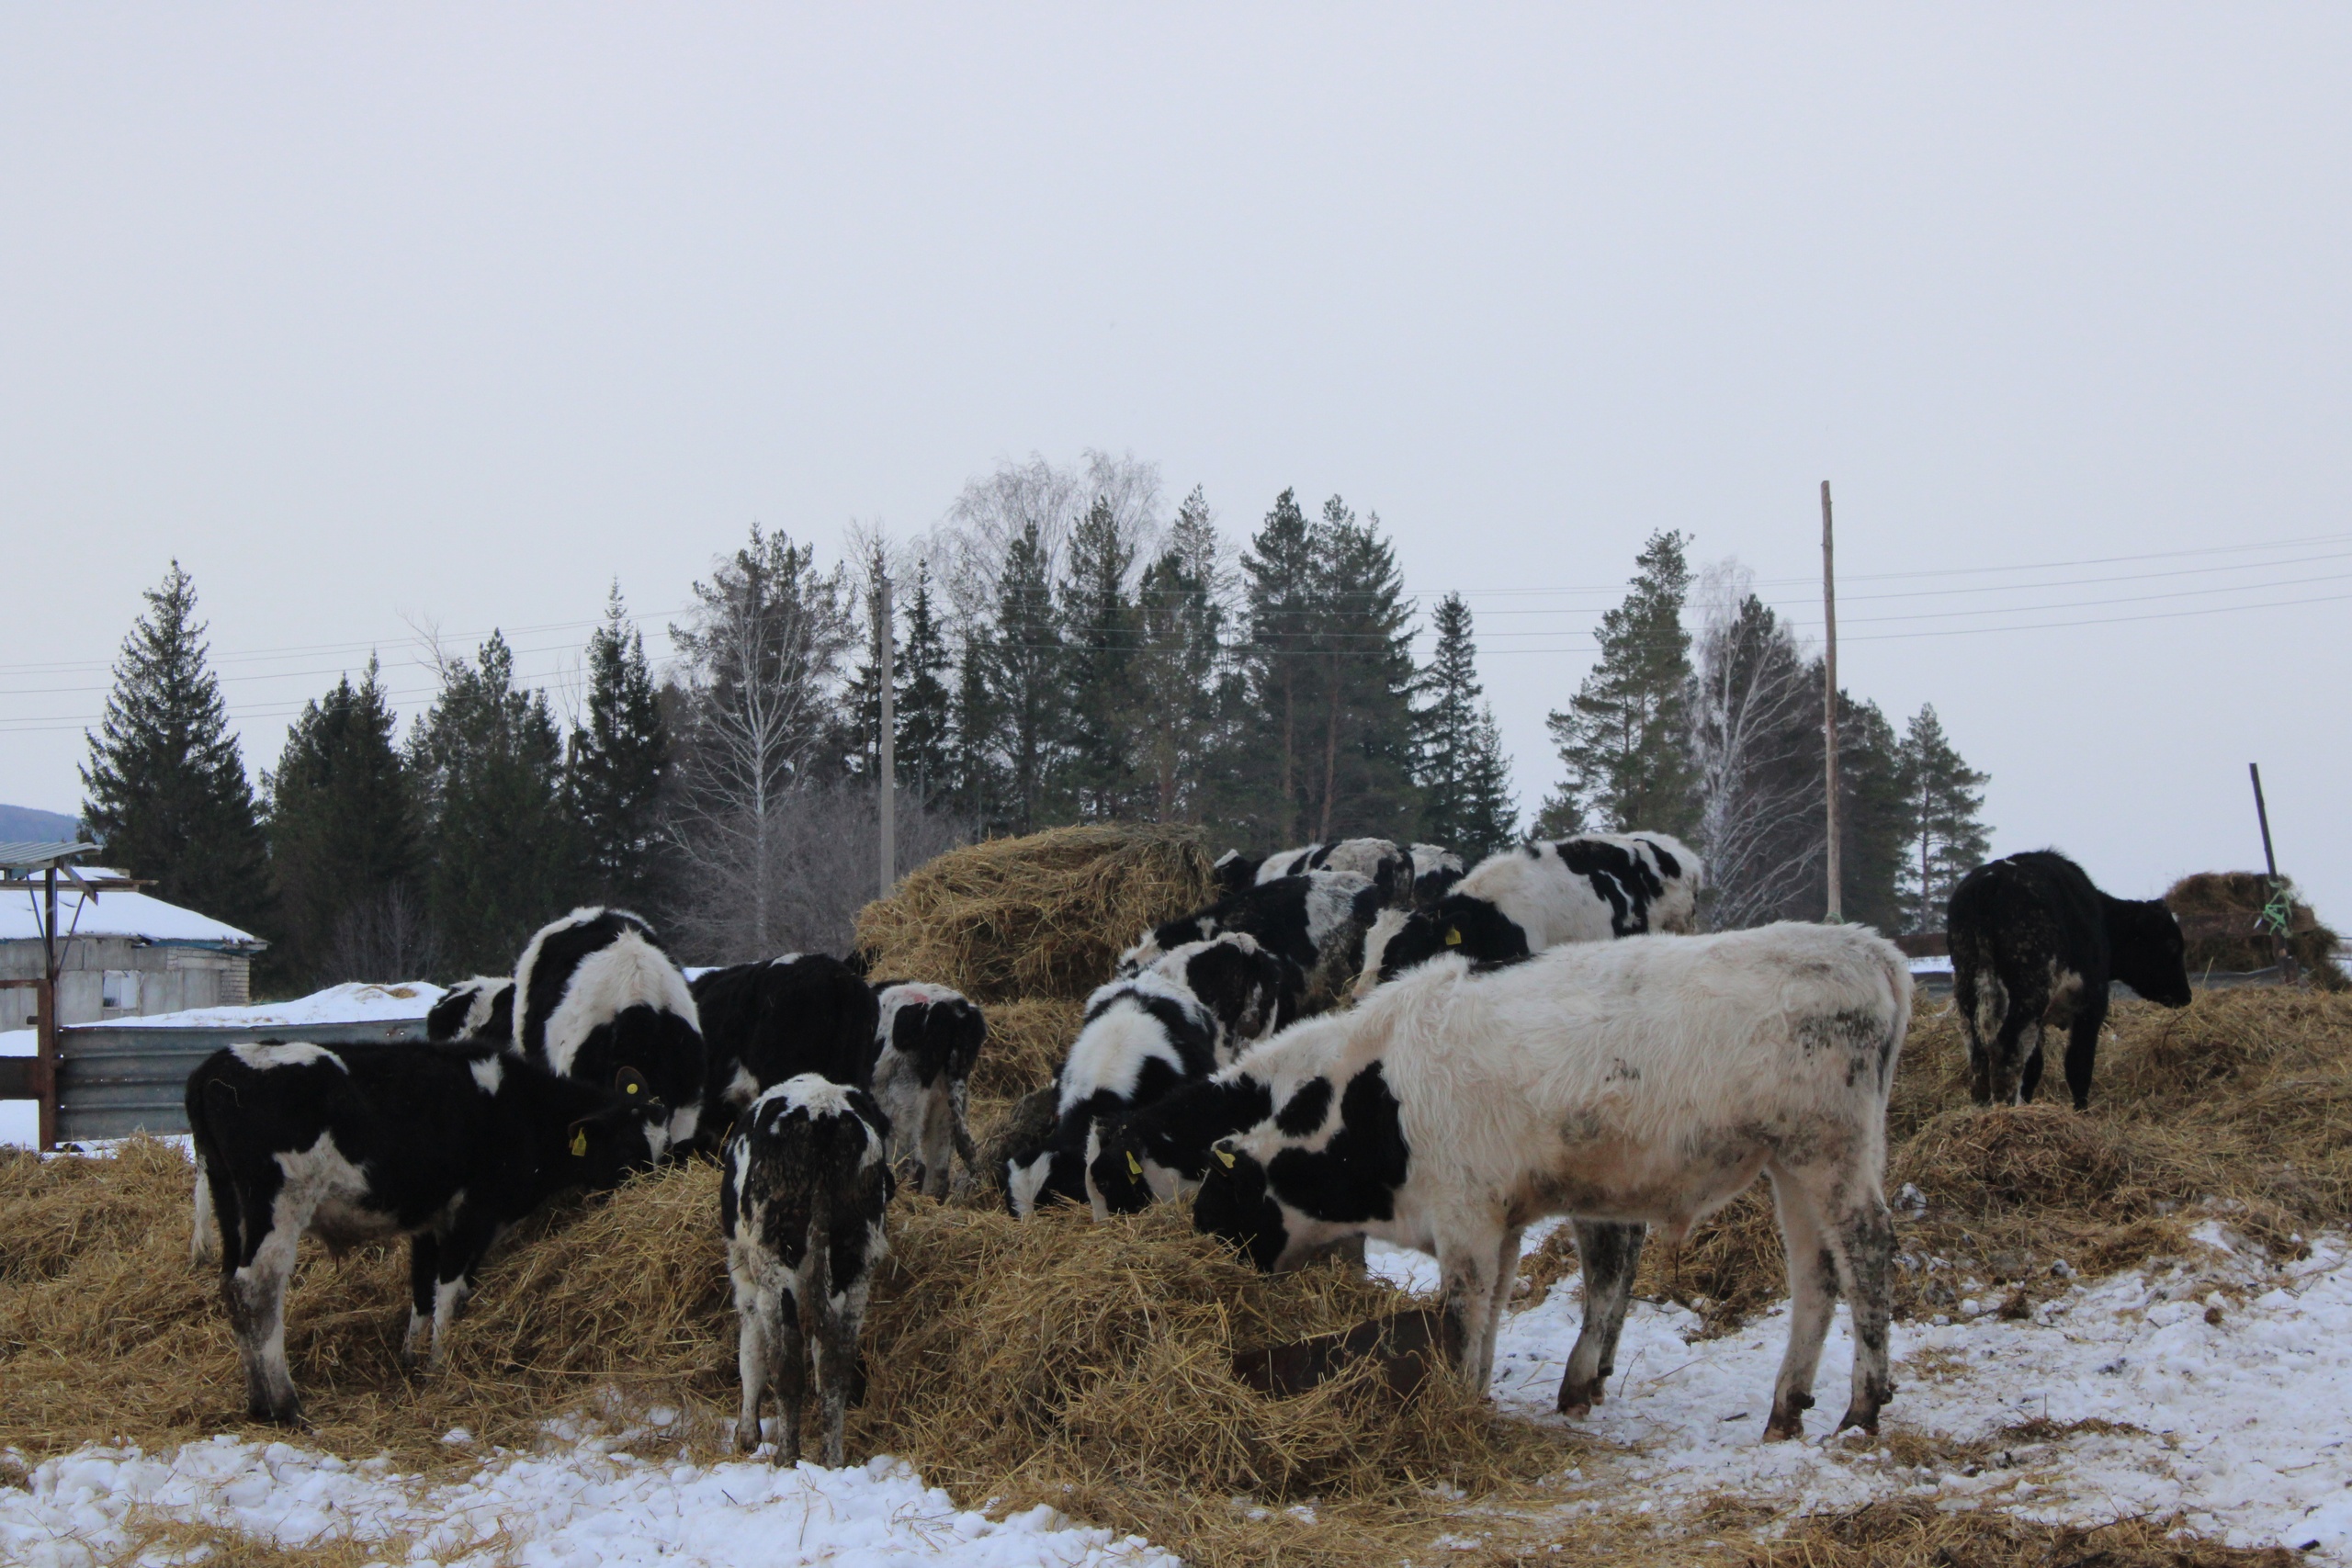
<point x="1759" y="793"/>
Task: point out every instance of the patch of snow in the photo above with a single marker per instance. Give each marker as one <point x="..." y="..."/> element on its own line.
<point x="2243" y="1412"/>
<point x="355" y="1001"/>
<point x="577" y="1504"/>
<point x="123" y="913"/>
<point x="1938" y="964"/>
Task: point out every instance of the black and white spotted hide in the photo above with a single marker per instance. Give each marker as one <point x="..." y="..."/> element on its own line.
<point x="445" y="1145"/>
<point x="1592" y="887"/>
<point x="1435" y="870"/>
<point x="1316" y="920"/>
<point x="2034" y="946"/>
<point x="1143" y="1036"/>
<point x="931" y="1036"/>
<point x="1377" y="861"/>
<point x="804" y="1186"/>
<point x="479" y="1009"/>
<point x="593" y="995"/>
<point x="774" y="1020"/>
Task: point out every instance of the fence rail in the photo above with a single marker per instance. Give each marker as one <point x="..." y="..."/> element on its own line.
<point x="114" y="1079"/>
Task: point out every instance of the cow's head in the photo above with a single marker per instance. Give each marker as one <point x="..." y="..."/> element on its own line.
<point x="603" y="1148"/>
<point x="1161" y="1152"/>
<point x="1237" y="873"/>
<point x="1249" y="991"/>
<point x="2146" y="952"/>
<point x="1312" y="1174"/>
<point x="1459" y="922"/>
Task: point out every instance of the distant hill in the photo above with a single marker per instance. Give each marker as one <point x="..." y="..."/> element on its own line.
<point x="22" y="824"/>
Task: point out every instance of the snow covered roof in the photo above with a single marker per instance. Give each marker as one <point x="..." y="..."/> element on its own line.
<point x="353" y="1002"/>
<point x="135" y="914"/>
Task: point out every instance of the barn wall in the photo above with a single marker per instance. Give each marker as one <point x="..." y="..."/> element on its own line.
<point x="168" y="979"/>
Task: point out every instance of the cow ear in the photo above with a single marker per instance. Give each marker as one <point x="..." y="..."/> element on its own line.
<point x="631" y="1084"/>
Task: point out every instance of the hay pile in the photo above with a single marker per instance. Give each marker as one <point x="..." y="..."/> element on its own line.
<point x="1048" y="1361"/>
<point x="2237" y="1107"/>
<point x="1043" y="916"/>
<point x="2220" y="914"/>
<point x="1914" y="1533"/>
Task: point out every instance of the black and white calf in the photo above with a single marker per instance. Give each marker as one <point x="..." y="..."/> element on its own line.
<point x="1587" y="889"/>
<point x="1644" y="1081"/>
<point x="446" y="1144"/>
<point x="595" y="994"/>
<point x="1376" y="860"/>
<point x="1435" y="870"/>
<point x="765" y="1022"/>
<point x="479" y="1009"/>
<point x="1316" y="920"/>
<point x="930" y="1037"/>
<point x="804" y="1185"/>
<point x="1193" y="1011"/>
<point x="2033" y="947"/>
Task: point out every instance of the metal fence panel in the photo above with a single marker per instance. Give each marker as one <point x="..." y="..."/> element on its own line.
<point x="117" y="1079"/>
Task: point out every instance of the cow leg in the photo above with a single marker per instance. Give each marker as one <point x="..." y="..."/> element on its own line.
<point x="837" y="1365"/>
<point x="424" y="1271"/>
<point x="754" y="1354"/>
<point x="461" y="1249"/>
<point x="204" y="1226"/>
<point x="1813" y="1297"/>
<point x="788" y="1370"/>
<point x="1607" y="1255"/>
<point x="253" y="1285"/>
<point x="2082" y="1047"/>
<point x="1861" y="1240"/>
<point x="2031" y="1080"/>
<point x="1505" y="1277"/>
<point x="958" y="1099"/>
<point x="1467" y="1267"/>
<point x="2016" y="1052"/>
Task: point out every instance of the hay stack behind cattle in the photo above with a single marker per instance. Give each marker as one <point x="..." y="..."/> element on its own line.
<point x="2221" y="917"/>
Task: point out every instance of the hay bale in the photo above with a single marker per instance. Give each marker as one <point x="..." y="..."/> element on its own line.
<point x="2220" y="914"/>
<point x="1041" y="916"/>
<point x="1027" y="1039"/>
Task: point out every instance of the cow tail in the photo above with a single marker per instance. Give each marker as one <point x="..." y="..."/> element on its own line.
<point x="821" y="1220"/>
<point x="1992" y="1006"/>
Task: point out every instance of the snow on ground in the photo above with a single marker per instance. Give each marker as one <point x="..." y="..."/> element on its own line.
<point x="355" y="1001"/>
<point x="577" y="1506"/>
<point x="2232" y="1383"/>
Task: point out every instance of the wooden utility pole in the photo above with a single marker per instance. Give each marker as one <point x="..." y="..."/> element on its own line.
<point x="2279" y="910"/>
<point x="887" y="774"/>
<point x="1837" y="911"/>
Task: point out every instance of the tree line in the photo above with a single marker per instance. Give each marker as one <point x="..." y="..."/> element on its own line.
<point x="1066" y="651"/>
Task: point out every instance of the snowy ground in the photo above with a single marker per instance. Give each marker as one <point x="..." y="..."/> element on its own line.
<point x="2232" y="1383"/>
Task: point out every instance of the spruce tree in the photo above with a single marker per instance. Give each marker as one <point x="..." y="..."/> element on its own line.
<point x="343" y="830"/>
<point x="1281" y="573"/>
<point x="1101" y="622"/>
<point x="487" y="759"/>
<point x="979" y="785"/>
<point x="166" y="791"/>
<point x="1179" y="632"/>
<point x="618" y="765"/>
<point x="1466" y="802"/>
<point x="1361" y="782"/>
<point x="926" y="726"/>
<point x="1626" y="736"/>
<point x="1871" y="816"/>
<point x="1943" y="802"/>
<point x="1027" y="695"/>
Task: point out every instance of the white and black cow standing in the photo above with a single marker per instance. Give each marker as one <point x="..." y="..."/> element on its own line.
<point x="446" y="1144"/>
<point x="1316" y="920"/>
<point x="774" y="1020"/>
<point x="930" y="1037"/>
<point x="2033" y="947"/>
<point x="804" y="1186"/>
<point x="479" y="1009"/>
<point x="1587" y="889"/>
<point x="595" y="994"/>
<point x="1643" y="1081"/>
<point x="1193" y="1011"/>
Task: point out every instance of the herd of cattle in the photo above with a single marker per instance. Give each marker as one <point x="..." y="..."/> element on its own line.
<point x="1353" y="1040"/>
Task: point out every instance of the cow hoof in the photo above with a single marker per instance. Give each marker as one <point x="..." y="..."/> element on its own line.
<point x="1782" y="1430"/>
<point x="747" y="1436"/>
<point x="1577" y="1399"/>
<point x="1860" y="1421"/>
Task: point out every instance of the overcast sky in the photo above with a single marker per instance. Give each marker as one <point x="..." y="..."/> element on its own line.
<point x="389" y="316"/>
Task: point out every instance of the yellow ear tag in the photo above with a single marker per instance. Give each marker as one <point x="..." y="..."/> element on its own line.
<point x="1453" y="936"/>
<point x="579" y="1143"/>
<point x="632" y="1086"/>
<point x="1132" y="1169"/>
<point x="1227" y="1157"/>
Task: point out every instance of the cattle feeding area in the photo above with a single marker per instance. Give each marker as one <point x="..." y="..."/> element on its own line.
<point x="2090" y="1309"/>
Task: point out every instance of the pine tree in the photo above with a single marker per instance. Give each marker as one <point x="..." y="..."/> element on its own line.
<point x="1101" y="622"/>
<point x="1363" y="780"/>
<point x="1626" y="736"/>
<point x="487" y="759"/>
<point x="166" y="788"/>
<point x="1945" y="837"/>
<point x="1280" y="574"/>
<point x="979" y="783"/>
<point x="342" y="828"/>
<point x="1027" y="693"/>
<point x="1464" y="778"/>
<point x="1179" y="632"/>
<point x="924" y="700"/>
<point x="618" y="765"/>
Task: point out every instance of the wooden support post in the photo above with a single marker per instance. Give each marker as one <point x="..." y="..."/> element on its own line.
<point x="887" y="773"/>
<point x="1837" y="911"/>
<point x="2283" y="926"/>
<point x="45" y="1016"/>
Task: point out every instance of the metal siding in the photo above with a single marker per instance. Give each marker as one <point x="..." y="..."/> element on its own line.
<point x="114" y="1081"/>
